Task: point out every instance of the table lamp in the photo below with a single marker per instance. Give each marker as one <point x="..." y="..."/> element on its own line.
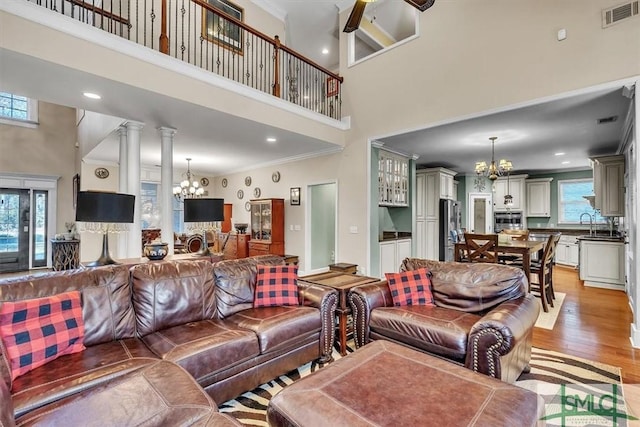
<point x="203" y="212"/>
<point x="104" y="212"/>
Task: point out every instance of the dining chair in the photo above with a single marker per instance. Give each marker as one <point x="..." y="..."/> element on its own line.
<point x="542" y="274"/>
<point x="481" y="247"/>
<point x="522" y="235"/>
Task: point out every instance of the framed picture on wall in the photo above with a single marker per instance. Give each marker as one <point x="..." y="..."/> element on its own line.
<point x="295" y="196"/>
<point x="220" y="30"/>
<point x="332" y="87"/>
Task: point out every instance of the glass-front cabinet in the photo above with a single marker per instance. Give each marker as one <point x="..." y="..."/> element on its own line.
<point x="393" y="180"/>
<point x="267" y="227"/>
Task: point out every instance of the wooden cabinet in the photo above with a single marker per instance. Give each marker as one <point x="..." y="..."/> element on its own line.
<point x="514" y="186"/>
<point x="567" y="251"/>
<point x="393" y="179"/>
<point x="608" y="184"/>
<point x="392" y="252"/>
<point x="236" y="245"/>
<point x="539" y="197"/>
<point x="267" y="227"/>
<point x="228" y="214"/>
<point x="602" y="264"/>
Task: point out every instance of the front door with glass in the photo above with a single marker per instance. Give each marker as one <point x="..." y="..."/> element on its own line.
<point x="14" y="230"/>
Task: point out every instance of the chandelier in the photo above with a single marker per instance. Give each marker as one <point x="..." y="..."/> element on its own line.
<point x="493" y="170"/>
<point x="189" y="188"/>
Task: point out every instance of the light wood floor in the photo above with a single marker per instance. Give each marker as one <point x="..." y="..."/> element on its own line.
<point x="593" y="324"/>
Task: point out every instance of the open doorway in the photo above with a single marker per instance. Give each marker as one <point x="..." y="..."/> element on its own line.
<point x="322" y="230"/>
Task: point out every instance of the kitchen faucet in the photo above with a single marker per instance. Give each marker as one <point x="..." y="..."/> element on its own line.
<point x="590" y="222"/>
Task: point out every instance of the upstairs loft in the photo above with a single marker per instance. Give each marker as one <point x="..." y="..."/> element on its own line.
<point x="229" y="68"/>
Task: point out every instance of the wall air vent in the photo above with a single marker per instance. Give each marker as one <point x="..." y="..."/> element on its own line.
<point x="616" y="14"/>
<point x="606" y="120"/>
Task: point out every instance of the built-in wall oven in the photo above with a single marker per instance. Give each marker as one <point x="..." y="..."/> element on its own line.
<point x="507" y="220"/>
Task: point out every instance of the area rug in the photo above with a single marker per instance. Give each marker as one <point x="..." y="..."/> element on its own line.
<point x="553" y="375"/>
<point x="547" y="320"/>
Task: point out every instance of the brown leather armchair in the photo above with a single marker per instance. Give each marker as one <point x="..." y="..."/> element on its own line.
<point x="483" y="316"/>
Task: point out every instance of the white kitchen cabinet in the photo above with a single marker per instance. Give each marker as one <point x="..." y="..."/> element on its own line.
<point x="393" y="180"/>
<point x="567" y="251"/>
<point x="431" y="185"/>
<point x="539" y="197"/>
<point x="431" y="197"/>
<point x="602" y="264"/>
<point x="392" y="252"/>
<point x="446" y="186"/>
<point x="432" y="239"/>
<point x="421" y="210"/>
<point x="514" y="186"/>
<point x="608" y="184"/>
<point x="403" y="250"/>
<point x="421" y="241"/>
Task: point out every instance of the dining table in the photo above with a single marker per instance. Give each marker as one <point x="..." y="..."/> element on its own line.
<point x="520" y="247"/>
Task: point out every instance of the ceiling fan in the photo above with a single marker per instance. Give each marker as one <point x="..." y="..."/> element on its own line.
<point x="358" y="10"/>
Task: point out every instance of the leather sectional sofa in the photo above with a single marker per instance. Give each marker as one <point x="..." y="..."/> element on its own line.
<point x="164" y="342"/>
<point x="483" y="316"/>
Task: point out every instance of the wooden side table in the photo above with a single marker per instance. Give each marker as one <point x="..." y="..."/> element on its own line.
<point x="65" y="254"/>
<point x="291" y="259"/>
<point x="344" y="268"/>
<point x="343" y="283"/>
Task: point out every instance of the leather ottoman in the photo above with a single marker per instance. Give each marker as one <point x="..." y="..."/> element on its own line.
<point x="386" y="384"/>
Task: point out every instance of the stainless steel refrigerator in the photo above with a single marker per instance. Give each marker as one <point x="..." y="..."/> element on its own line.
<point x="450" y="224"/>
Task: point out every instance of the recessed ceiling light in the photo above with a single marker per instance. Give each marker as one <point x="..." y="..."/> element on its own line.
<point x="559" y="154"/>
<point x="92" y="95"/>
<point x="325" y="51"/>
<point x="271" y="139"/>
<point x="566" y="162"/>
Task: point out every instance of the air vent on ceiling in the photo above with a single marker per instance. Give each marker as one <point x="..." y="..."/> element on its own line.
<point x="614" y="15"/>
<point x="609" y="119"/>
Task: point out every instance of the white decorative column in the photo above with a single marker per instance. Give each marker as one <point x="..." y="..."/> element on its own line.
<point x="166" y="183"/>
<point x="123" y="183"/>
<point x="134" y="129"/>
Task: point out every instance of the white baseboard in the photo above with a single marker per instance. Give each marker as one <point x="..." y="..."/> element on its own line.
<point x="604" y="285"/>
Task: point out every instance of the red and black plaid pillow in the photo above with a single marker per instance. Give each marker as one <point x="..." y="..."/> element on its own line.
<point x="37" y="331"/>
<point x="410" y="287"/>
<point x="276" y="285"/>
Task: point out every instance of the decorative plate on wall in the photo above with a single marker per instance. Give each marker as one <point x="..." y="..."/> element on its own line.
<point x="224" y="183"/>
<point x="102" y="173"/>
<point x="257" y="192"/>
<point x="247" y="206"/>
<point x="275" y="177"/>
<point x="240" y="194"/>
<point x="247" y="181"/>
<point x="204" y="182"/>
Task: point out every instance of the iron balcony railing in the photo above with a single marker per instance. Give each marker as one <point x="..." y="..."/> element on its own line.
<point x="210" y="34"/>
